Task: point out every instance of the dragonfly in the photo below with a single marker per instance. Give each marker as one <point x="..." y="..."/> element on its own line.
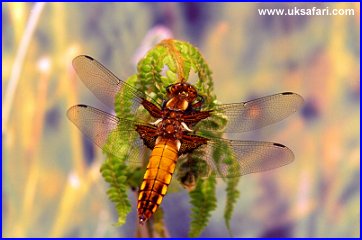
<point x="175" y="131"/>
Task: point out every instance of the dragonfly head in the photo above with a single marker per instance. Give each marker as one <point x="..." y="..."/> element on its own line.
<point x="181" y="96"/>
<point x="182" y="90"/>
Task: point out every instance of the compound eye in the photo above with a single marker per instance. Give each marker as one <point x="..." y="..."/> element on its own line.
<point x="169" y="88"/>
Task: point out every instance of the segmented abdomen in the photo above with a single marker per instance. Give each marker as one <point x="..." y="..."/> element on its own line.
<point x="157" y="177"/>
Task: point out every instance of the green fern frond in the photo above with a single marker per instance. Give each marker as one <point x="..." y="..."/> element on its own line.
<point x="113" y="171"/>
<point x="232" y="195"/>
<point x="203" y="201"/>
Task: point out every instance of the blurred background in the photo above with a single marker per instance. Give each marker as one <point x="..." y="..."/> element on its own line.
<point x="51" y="181"/>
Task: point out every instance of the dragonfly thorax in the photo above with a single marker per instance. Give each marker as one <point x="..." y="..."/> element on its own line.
<point x="171" y="124"/>
<point x="170" y="127"/>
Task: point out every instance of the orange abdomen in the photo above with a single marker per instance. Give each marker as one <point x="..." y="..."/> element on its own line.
<point x="157" y="177"/>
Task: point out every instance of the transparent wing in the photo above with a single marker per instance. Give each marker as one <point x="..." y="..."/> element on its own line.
<point x="100" y="127"/>
<point x="104" y="84"/>
<point x="258" y="113"/>
<point x="232" y="158"/>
